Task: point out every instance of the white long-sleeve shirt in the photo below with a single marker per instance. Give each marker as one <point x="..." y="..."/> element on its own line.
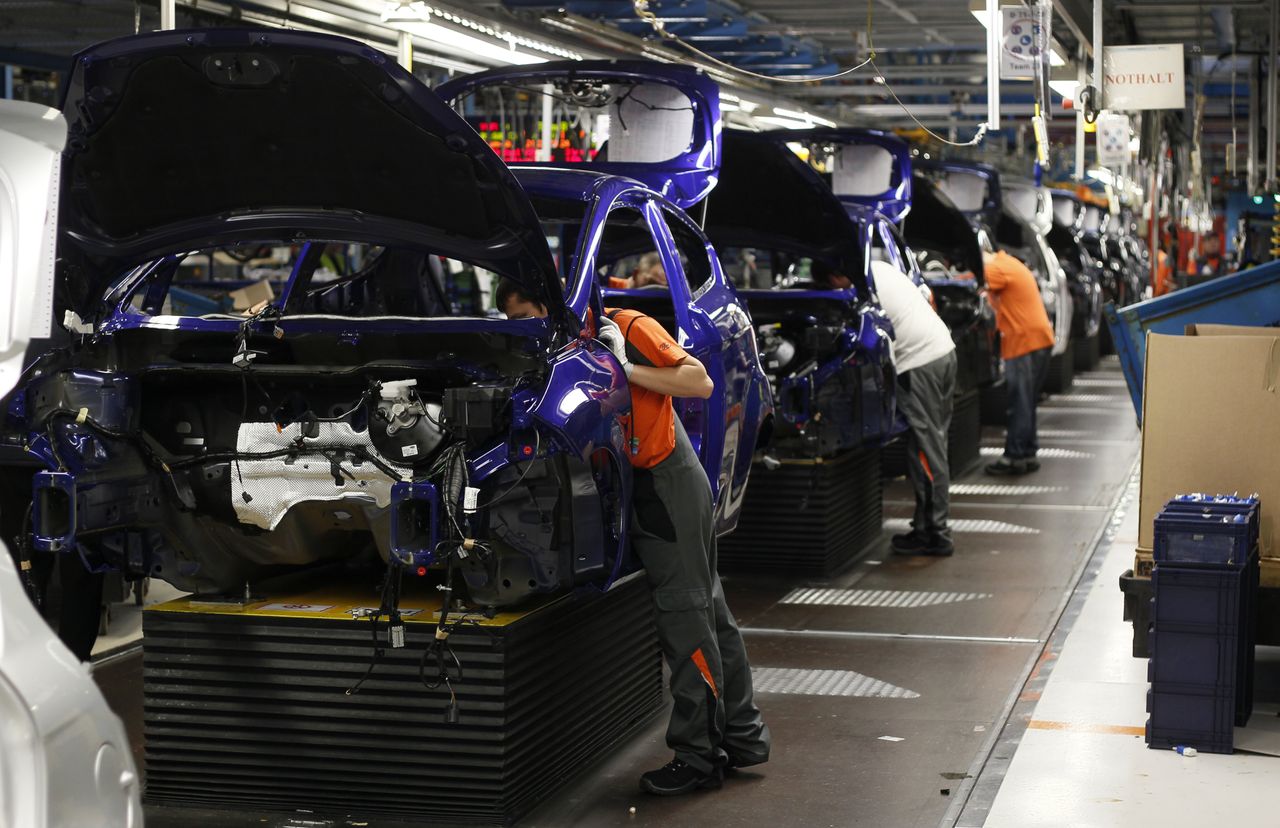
<point x="919" y="334"/>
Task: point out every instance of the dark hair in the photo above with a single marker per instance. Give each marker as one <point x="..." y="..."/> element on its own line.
<point x="509" y="289"/>
<point x="820" y="271"/>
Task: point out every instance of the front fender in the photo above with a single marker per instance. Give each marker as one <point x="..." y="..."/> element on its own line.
<point x="585" y="394"/>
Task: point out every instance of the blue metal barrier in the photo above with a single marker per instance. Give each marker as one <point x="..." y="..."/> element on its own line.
<point x="1250" y="297"/>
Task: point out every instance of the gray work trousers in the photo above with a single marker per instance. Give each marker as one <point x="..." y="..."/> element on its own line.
<point x="925" y="400"/>
<point x="673" y="535"/>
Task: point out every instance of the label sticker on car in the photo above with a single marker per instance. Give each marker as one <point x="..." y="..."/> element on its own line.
<point x="284" y="607"/>
<point x="410" y="450"/>
<point x="365" y="612"/>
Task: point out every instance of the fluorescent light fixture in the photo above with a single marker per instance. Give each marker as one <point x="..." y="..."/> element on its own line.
<point x="1056" y="59"/>
<point x="785" y="123"/>
<point x="465" y="43"/>
<point x="808" y="118"/>
<point x="406" y="11"/>
<point x="727" y="106"/>
<point x="414" y="16"/>
<point x="748" y="106"/>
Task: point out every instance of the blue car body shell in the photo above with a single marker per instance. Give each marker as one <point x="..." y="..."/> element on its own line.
<point x="120" y="496"/>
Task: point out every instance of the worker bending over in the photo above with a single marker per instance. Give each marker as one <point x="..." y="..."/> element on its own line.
<point x="924" y="357"/>
<point x="715" y="724"/>
<point x="1026" y="344"/>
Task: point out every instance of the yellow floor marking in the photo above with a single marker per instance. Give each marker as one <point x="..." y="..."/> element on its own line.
<point x="1118" y="730"/>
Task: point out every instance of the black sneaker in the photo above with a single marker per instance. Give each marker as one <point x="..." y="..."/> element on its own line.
<point x="1033" y="465"/>
<point x="933" y="545"/>
<point x="940" y="547"/>
<point x="676" y="778"/>
<point x="909" y="543"/>
<point x="1004" y="467"/>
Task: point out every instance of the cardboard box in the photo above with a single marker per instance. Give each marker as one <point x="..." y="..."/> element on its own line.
<point x="1211" y="422"/>
<point x="251" y="295"/>
<point x="1143" y="563"/>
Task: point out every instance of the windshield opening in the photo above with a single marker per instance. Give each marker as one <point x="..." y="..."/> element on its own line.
<point x="329" y="278"/>
<point x="580" y="120"/>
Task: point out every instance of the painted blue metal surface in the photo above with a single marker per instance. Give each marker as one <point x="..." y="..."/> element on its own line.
<point x="569" y="396"/>
<point x="1250" y="297"/>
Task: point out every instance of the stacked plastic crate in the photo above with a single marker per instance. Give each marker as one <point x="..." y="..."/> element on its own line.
<point x="1202" y="621"/>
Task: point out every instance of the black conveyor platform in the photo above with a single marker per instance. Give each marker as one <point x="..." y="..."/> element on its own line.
<point x="807" y="516"/>
<point x="245" y="708"/>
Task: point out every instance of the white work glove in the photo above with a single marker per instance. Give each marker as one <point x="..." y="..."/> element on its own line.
<point x="611" y="335"/>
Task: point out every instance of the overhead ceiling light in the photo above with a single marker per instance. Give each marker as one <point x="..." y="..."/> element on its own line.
<point x="785" y="123"/>
<point x="406" y="11"/>
<point x="1056" y="59"/>
<point x="807" y="118"/>
<point x="415" y="16"/>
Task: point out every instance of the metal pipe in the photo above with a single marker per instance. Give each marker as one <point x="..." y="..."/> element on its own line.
<point x="1098" y="51"/>
<point x="548" y="111"/>
<point x="1255" y="124"/>
<point x="995" y="32"/>
<point x="1080" y="79"/>
<point x="168" y="14"/>
<point x="404" y="50"/>
<point x="1271" y="97"/>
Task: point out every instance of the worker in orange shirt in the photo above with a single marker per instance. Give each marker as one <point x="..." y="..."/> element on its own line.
<point x="1164" y="271"/>
<point x="715" y="724"/>
<point x="1026" y="343"/>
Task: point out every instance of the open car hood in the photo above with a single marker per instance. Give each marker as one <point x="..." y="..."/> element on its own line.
<point x="654" y="122"/>
<point x="866" y="167"/>
<point x="974" y="188"/>
<point x="1068" y="211"/>
<point x="1029" y="202"/>
<point x="199" y="137"/>
<point x="767" y="197"/>
<point x="936" y="223"/>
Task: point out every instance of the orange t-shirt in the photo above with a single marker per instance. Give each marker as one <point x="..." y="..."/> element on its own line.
<point x="1020" y="315"/>
<point x="651" y="428"/>
<point x="1164" y="274"/>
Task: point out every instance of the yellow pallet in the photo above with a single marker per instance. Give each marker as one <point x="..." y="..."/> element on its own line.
<point x="419" y="604"/>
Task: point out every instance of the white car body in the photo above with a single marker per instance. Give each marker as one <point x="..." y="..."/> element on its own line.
<point x="1036" y="206"/>
<point x="65" y="761"/>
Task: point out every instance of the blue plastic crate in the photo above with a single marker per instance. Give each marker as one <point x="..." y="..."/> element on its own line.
<point x="1204" y="538"/>
<point x="1206" y="597"/>
<point x="1207" y="529"/>
<point x="1202" y="631"/>
<point x="1204" y="721"/>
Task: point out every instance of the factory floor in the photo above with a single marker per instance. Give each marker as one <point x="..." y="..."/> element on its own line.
<point x="993" y="687"/>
